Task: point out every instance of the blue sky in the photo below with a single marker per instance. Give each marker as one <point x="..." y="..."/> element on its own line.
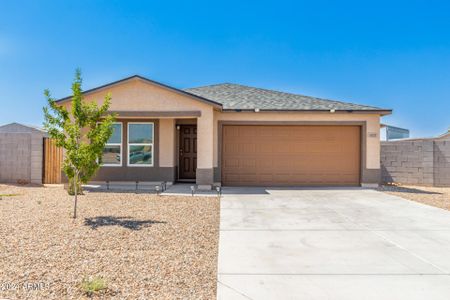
<point x="392" y="54"/>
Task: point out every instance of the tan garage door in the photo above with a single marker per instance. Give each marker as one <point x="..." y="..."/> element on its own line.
<point x="290" y="155"/>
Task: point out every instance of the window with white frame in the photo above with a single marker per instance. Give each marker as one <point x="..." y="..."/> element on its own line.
<point x="140" y="144"/>
<point x="112" y="152"/>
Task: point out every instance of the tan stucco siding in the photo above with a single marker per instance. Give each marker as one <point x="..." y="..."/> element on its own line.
<point x="372" y="158"/>
<point x="167" y="142"/>
<point x="205" y="140"/>
<point x="137" y="95"/>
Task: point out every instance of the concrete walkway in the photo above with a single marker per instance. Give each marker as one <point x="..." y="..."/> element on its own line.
<point x="331" y="244"/>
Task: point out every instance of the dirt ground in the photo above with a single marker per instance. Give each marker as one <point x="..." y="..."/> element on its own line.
<point x="434" y="196"/>
<point x="143" y="246"/>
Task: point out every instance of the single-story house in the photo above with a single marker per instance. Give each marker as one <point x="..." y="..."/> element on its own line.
<point x="232" y="134"/>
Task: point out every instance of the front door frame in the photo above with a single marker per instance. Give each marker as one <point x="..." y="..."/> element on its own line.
<point x="180" y="175"/>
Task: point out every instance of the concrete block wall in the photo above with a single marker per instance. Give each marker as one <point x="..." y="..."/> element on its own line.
<point x="21" y="154"/>
<point x="36" y="158"/>
<point x="15" y="158"/>
<point x="442" y="163"/>
<point x="421" y="161"/>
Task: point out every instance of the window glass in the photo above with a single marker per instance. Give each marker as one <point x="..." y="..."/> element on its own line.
<point x="140" y="155"/>
<point x="112" y="152"/>
<point x="111" y="155"/>
<point x="140" y="133"/>
<point x="116" y="136"/>
<point x="140" y="144"/>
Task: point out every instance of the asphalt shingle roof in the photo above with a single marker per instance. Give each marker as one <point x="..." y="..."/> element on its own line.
<point x="236" y="96"/>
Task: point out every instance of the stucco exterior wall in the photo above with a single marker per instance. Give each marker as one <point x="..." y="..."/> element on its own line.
<point x="167" y="142"/>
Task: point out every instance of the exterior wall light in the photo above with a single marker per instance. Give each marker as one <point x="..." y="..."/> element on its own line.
<point x="332" y="110"/>
<point x="256" y="109"/>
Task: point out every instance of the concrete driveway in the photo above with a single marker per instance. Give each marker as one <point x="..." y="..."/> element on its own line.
<point x="331" y="244"/>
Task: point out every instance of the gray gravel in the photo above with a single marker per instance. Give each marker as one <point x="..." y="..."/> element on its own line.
<point x="143" y="246"/>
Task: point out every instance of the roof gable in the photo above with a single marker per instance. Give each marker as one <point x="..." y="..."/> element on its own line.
<point x="146" y="80"/>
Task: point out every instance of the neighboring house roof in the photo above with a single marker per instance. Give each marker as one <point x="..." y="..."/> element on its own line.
<point x="178" y="91"/>
<point x="241" y="97"/>
<point x="382" y="125"/>
<point x="229" y="96"/>
<point x="18" y="127"/>
<point x="445" y="135"/>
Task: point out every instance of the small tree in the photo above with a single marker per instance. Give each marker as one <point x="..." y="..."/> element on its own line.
<point x="82" y="132"/>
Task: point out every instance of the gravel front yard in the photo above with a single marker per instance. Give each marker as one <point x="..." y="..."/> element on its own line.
<point x="142" y="245"/>
<point x="434" y="196"/>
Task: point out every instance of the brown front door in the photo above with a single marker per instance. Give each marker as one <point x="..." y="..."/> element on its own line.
<point x="188" y="151"/>
<point x="291" y="155"/>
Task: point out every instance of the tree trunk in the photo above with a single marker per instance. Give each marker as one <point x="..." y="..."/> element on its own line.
<point x="75" y="187"/>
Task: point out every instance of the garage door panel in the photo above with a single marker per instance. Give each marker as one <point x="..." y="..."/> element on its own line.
<point x="291" y="155"/>
<point x="265" y="164"/>
<point x="248" y="164"/>
<point x="284" y="163"/>
<point x="231" y="163"/>
<point x="248" y="149"/>
<point x="265" y="147"/>
<point x="230" y="149"/>
<point x="233" y="178"/>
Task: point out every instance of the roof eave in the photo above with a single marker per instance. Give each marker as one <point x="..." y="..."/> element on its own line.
<point x="382" y="112"/>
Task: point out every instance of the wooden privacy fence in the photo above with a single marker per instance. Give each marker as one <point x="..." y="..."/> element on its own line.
<point x="53" y="157"/>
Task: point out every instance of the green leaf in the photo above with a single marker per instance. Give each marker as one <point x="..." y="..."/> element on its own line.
<point x="82" y="131"/>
